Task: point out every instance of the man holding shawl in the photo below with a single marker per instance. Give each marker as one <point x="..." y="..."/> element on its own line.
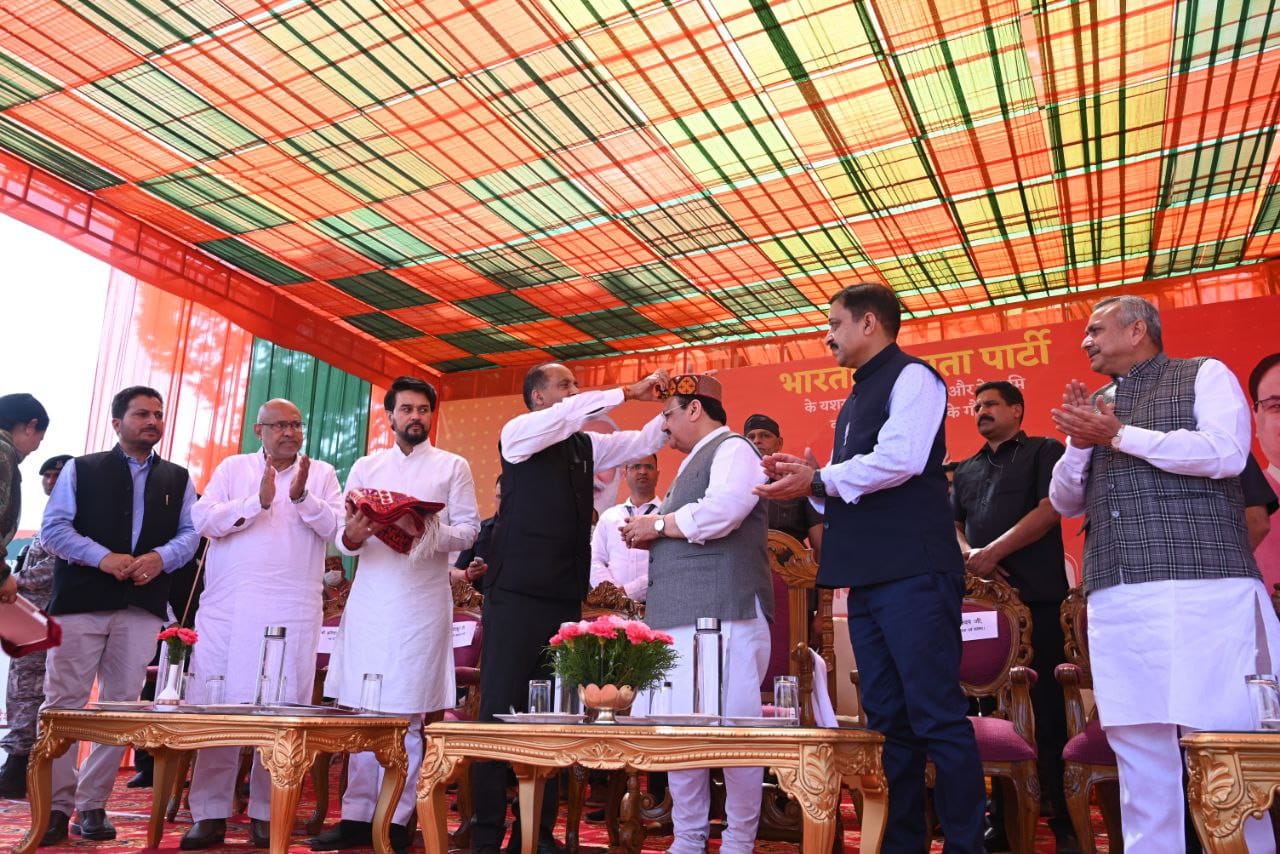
<point x="398" y="620"/>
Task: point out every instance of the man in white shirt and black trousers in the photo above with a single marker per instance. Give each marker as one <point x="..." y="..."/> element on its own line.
<point x="541" y="559"/>
<point x="889" y="538"/>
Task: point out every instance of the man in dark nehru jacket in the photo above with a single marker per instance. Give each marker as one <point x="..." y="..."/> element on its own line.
<point x="119" y="522"/>
<point x="540" y="563"/>
<point x="889" y="538"/>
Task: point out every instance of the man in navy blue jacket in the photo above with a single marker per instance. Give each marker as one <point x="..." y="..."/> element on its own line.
<point x="890" y="539"/>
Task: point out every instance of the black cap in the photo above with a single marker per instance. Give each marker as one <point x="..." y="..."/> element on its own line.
<point x="762" y="422"/>
<point x="54" y="463"/>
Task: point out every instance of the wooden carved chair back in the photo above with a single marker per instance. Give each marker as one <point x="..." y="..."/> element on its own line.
<point x="791" y="561"/>
<point x="986" y="664"/>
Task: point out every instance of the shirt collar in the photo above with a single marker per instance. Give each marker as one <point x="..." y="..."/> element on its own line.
<point x="1018" y="438"/>
<point x="874" y="363"/>
<point x="655" y="501"/>
<point x="1146" y="365"/>
<point x="119" y="451"/>
<point x="418" y="450"/>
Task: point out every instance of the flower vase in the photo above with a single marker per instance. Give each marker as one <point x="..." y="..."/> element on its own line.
<point x="171" y="676"/>
<point x="606" y="701"/>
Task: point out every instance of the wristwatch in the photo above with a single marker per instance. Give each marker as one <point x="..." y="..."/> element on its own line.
<point x="301" y="498"/>
<point x="660" y="525"/>
<point x="1115" y="440"/>
<point x="817" y="488"/>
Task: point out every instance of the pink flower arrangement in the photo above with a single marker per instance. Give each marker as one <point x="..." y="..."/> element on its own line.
<point x="177" y="636"/>
<point x="611" y="650"/>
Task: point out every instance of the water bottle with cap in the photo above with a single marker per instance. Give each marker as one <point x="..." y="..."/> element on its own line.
<point x="708" y="653"/>
<point x="271" y="668"/>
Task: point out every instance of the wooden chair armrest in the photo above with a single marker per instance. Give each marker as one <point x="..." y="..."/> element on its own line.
<point x="1020" y="714"/>
<point x="1070" y="676"/>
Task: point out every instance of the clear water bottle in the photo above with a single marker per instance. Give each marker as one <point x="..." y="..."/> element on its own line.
<point x="708" y="653"/>
<point x="271" y="668"/>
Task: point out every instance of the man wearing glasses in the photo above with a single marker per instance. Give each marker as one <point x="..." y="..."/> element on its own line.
<point x="268" y="516"/>
<point x="1177" y="612"/>
<point x="1264" y="390"/>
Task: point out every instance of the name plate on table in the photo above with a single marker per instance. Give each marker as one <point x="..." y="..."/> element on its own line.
<point x="328" y="638"/>
<point x="979" y="625"/>
<point x="464" y="631"/>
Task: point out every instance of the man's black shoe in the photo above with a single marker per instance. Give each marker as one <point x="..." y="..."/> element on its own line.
<point x="596" y="816"/>
<point x="546" y="844"/>
<point x="205" y="833"/>
<point x="345" y="834"/>
<point x="93" y="824"/>
<point x="141" y="780"/>
<point x="57" y="832"/>
<point x="400" y="839"/>
<point x="13" y="777"/>
<point x="259" y="833"/>
<point x="995" y="840"/>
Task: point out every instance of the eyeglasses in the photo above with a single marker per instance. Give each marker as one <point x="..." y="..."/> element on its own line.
<point x="666" y="413"/>
<point x="281" y="426"/>
<point x="1269" y="405"/>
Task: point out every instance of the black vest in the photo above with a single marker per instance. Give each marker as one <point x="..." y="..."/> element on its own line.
<point x="104" y="514"/>
<point x="894" y="533"/>
<point x="542" y="540"/>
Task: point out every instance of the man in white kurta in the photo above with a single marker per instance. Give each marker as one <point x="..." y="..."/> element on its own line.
<point x="399" y="617"/>
<point x="612" y="560"/>
<point x="1177" y="612"/>
<point x="268" y="516"/>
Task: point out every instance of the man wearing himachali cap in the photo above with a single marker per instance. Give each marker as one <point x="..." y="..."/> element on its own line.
<point x="707" y="559"/>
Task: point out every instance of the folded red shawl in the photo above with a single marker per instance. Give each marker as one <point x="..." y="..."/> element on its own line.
<point x="405" y="517"/>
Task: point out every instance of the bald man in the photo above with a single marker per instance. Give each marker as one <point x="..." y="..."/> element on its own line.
<point x="268" y="516"/>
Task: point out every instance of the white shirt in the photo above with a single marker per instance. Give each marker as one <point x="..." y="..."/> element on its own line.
<point x="917" y="405"/>
<point x="399" y="616"/>
<point x="735" y="472"/>
<point x="527" y="434"/>
<point x="262" y="568"/>
<point x="1217" y="448"/>
<point x="613" y="560"/>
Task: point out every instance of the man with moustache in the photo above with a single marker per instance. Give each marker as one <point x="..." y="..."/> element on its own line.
<point x="399" y="616"/>
<point x="1008" y="529"/>
<point x="119" y="522"/>
<point x="612" y="560"/>
<point x="796" y="516"/>
<point x="890" y="539"/>
<point x="268" y="516"/>
<point x="540" y="566"/>
<point x="1264" y="394"/>
<point x="708" y="559"/>
<point x="1177" y="612"/>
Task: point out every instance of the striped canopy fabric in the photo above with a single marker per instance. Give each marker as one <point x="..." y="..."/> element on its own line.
<point x="470" y="183"/>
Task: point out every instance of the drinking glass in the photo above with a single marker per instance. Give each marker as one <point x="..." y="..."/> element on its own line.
<point x="371" y="693"/>
<point x="660" y="699"/>
<point x="786" y="699"/>
<point x="215" y="691"/>
<point x="539" y="696"/>
<point x="567" y="700"/>
<point x="1264" y="696"/>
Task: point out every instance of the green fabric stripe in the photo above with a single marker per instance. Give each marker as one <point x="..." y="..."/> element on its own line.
<point x="253" y="261"/>
<point x="382" y="290"/>
<point x="54" y="158"/>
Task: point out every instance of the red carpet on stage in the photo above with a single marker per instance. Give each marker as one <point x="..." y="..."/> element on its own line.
<point x="129" y="809"/>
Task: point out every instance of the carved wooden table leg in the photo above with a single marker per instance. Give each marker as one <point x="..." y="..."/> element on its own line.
<point x="287" y="759"/>
<point x="860" y="769"/>
<point x="433" y="815"/>
<point x="531" y="780"/>
<point x="814" y="783"/>
<point x="167" y="765"/>
<point x="573" y="814"/>
<point x="40" y="784"/>
<point x="395" y="764"/>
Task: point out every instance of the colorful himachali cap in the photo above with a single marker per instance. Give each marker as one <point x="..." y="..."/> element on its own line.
<point x="695" y="385"/>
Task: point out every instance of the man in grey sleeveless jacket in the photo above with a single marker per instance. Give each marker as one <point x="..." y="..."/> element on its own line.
<point x="707" y="559"/>
<point x="1176" y="604"/>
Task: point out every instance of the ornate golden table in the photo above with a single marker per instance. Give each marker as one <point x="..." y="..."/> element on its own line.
<point x="1231" y="776"/>
<point x="810" y="765"/>
<point x="287" y="743"/>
